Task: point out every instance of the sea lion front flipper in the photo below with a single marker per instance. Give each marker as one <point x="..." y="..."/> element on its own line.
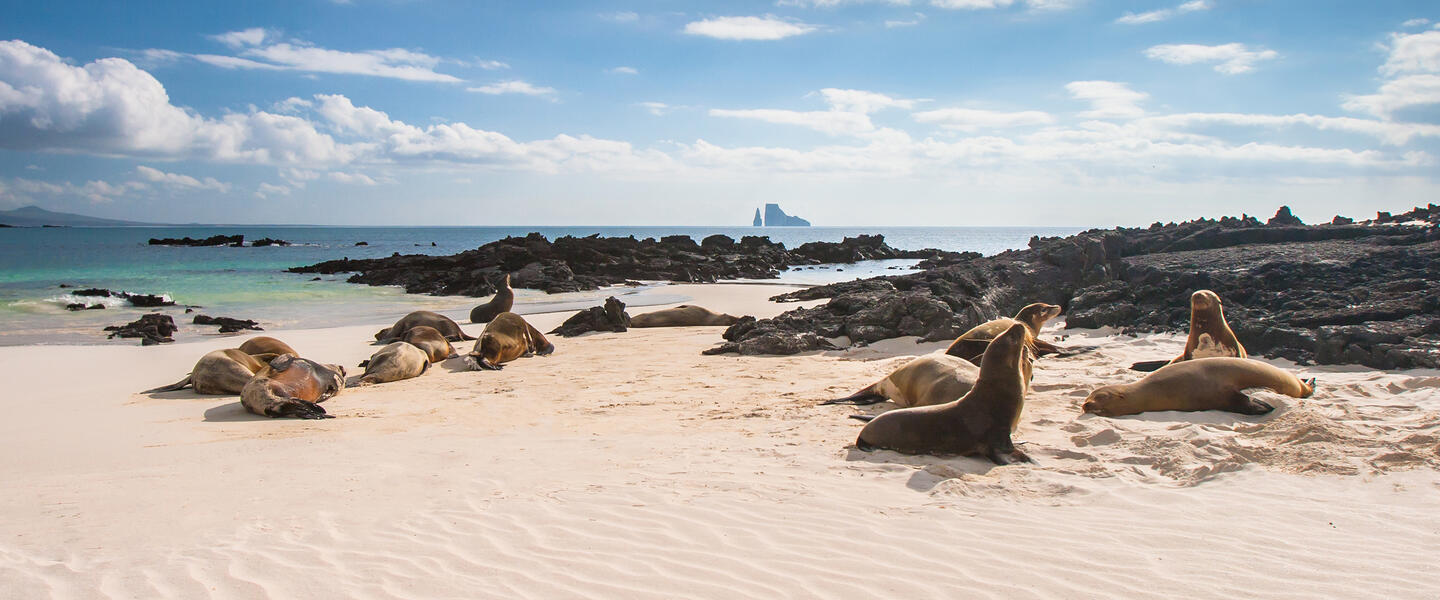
<point x="862" y="398"/>
<point x="179" y="385"/>
<point x="1246" y="405"/>
<point x="1147" y="366"/>
<point x="364" y="363"/>
<point x="1001" y="451"/>
<point x="299" y="409"/>
<point x="865" y="418"/>
<point x="1044" y="348"/>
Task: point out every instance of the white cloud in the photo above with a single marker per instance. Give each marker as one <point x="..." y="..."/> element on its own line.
<point x="834" y="3"/>
<point x="1416" y="23"/>
<point x="910" y="23"/>
<point x="22" y="191"/>
<point x="1108" y="99"/>
<point x="768" y="27"/>
<point x="621" y="17"/>
<point x="1035" y="5"/>
<point x="1230" y="59"/>
<point x="513" y="86"/>
<point x="256" y="53"/>
<point x="292" y="105"/>
<point x="240" y="39"/>
<point x="1413" y="53"/>
<point x="1397" y="95"/>
<point x="623" y="71"/>
<point x="862" y="101"/>
<point x="832" y="122"/>
<point x="181" y="181"/>
<point x="266" y="190"/>
<point x="969" y="119"/>
<point x="1164" y="13"/>
<point x="490" y="65"/>
<point x="353" y="178"/>
<point x="657" y="108"/>
<point x="1397" y="134"/>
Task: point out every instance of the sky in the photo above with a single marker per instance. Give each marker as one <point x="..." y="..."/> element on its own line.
<point x="845" y="112"/>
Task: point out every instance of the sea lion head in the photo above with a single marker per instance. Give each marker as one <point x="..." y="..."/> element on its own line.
<point x="382" y="334"/>
<point x="1005" y="353"/>
<point x="1205" y="307"/>
<point x="486" y="354"/>
<point x="1106" y="401"/>
<point x="334" y="377"/>
<point x="1035" y="315"/>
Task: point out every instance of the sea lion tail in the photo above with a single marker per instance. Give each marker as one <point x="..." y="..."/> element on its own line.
<point x="865" y="418"/>
<point x="861" y="398"/>
<point x="1149" y="365"/>
<point x="179" y="385"/>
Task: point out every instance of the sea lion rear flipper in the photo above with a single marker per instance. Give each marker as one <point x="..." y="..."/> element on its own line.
<point x="1001" y="451"/>
<point x="543" y="347"/>
<point x="299" y="409"/>
<point x="1043" y="348"/>
<point x="1149" y="365"/>
<point x="1246" y="405"/>
<point x="179" y="385"/>
<point x="865" y="418"/>
<point x="863" y="397"/>
<point x="282" y="362"/>
<point x="364" y="363"/>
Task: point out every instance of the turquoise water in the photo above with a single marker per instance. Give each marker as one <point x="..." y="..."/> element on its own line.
<point x="250" y="283"/>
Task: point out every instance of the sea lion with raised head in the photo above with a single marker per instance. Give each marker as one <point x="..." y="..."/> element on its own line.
<point x="267" y="345"/>
<point x="292" y="387"/>
<point x="502" y="301"/>
<point x="971" y="344"/>
<point x="926" y="381"/>
<point x="979" y="423"/>
<point x="1216" y="383"/>
<point x="394" y="362"/>
<point x="429" y="339"/>
<point x="506" y="338"/>
<point x="448" y="328"/>
<point x="1210" y="335"/>
<point x="220" y="372"/>
<point x="684" y="315"/>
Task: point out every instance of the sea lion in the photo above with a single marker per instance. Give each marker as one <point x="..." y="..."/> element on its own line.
<point x="396" y="361"/>
<point x="220" y="372"/>
<point x="506" y="338"/>
<point x="429" y="339"/>
<point x="683" y="316"/>
<point x="971" y="344"/>
<point x="978" y="423"/>
<point x="267" y="345"/>
<point x="448" y="328"/>
<point x="502" y="301"/>
<point x="926" y="381"/>
<point x="1210" y="335"/>
<point x="292" y="387"/>
<point x="1216" y="383"/>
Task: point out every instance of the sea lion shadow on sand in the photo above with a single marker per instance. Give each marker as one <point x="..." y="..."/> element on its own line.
<point x="1218" y="418"/>
<point x="231" y="412"/>
<point x="925" y="477"/>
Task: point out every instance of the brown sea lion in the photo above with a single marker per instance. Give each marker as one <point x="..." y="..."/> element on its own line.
<point x="267" y="345"/>
<point x="429" y="339"/>
<point x="292" y="387"/>
<point x="502" y="301"/>
<point x="220" y="372"/>
<point x="1199" y="384"/>
<point x="448" y="328"/>
<point x="682" y="316"/>
<point x="1210" y="335"/>
<point x="396" y="361"/>
<point x="926" y="381"/>
<point x="971" y="344"/>
<point x="978" y="423"/>
<point x="506" y="338"/>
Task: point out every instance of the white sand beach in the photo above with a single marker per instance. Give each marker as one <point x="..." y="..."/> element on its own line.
<point x="628" y="465"/>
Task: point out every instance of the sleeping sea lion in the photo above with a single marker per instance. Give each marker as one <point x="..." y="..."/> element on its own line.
<point x="926" y="381"/>
<point x="506" y="338"/>
<point x="448" y="328"/>
<point x="682" y="316"/>
<point x="396" y="361"/>
<point x="978" y="423"/>
<point x="1199" y="384"/>
<point x="267" y="345"/>
<point x="292" y="387"/>
<point x="429" y="339"/>
<point x="971" y="344"/>
<point x="502" y="301"/>
<point x="220" y="372"/>
<point x="1210" y="335"/>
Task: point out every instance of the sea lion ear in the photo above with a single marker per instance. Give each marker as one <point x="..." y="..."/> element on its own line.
<point x="282" y="362"/>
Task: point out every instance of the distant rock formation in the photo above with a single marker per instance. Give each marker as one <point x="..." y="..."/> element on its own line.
<point x="774" y="217"/>
<point x="758" y="220"/>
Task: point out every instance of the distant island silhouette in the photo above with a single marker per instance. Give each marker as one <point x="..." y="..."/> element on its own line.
<point x="774" y="217"/>
<point x="34" y="216"/>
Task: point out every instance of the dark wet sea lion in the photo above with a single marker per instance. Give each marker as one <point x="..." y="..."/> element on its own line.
<point x="502" y="301"/>
<point x="926" y="381"/>
<point x="448" y="328"/>
<point x="1217" y="383"/>
<point x="1210" y="335"/>
<point x="682" y="316"/>
<point x="219" y="372"/>
<point x="292" y="387"/>
<point x="267" y="345"/>
<point x="971" y="344"/>
<point x="429" y="339"/>
<point x="980" y="423"/>
<point x="394" y="362"/>
<point x="506" y="338"/>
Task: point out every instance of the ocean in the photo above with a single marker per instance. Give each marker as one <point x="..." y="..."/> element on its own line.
<point x="251" y="283"/>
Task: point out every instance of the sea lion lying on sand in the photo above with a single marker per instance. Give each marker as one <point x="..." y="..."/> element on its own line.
<point x="220" y="372"/>
<point x="448" y="328"/>
<point x="429" y="339"/>
<point x="394" y="362"/>
<point x="292" y="387"/>
<point x="506" y="338"/>
<point x="971" y="344"/>
<point x="502" y="301"/>
<point x="1199" y="384"/>
<point x="683" y="316"/>
<point x="267" y="345"/>
<point x="1210" y="335"/>
<point x="926" y="381"/>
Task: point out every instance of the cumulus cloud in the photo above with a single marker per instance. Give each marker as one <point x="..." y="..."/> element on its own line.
<point x="862" y="101"/>
<point x="259" y="49"/>
<point x="1397" y="134"/>
<point x="1413" y="68"/>
<point x="514" y="86"/>
<point x="1108" y="99"/>
<point x="1415" y="23"/>
<point x="970" y="120"/>
<point x="1164" y="13"/>
<point x="20" y="191"/>
<point x="767" y="27"/>
<point x="177" y="180"/>
<point x="1230" y="59"/>
<point x="1413" y="53"/>
<point x="848" y="115"/>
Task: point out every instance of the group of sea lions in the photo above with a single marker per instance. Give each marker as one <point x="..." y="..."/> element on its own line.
<point x="949" y="407"/>
<point x="269" y="375"/>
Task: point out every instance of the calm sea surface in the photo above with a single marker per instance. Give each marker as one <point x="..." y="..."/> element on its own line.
<point x="250" y="283"/>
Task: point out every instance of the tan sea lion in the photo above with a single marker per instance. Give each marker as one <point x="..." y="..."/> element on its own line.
<point x="1210" y="335"/>
<point x="978" y="423"/>
<point x="1199" y="384"/>
<point x="682" y="316"/>
<point x="267" y="345"/>
<point x="926" y="381"/>
<point x="292" y="387"/>
<point x="448" y="328"/>
<point x="396" y="361"/>
<point x="971" y="344"/>
<point x="502" y="301"/>
<point x="506" y="338"/>
<point x="429" y="339"/>
<point x="220" y="372"/>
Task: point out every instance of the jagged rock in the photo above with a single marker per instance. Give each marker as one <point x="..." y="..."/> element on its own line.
<point x="140" y="300"/>
<point x="1339" y="220"/>
<point x="611" y="317"/>
<point x="362" y="243"/>
<point x="1284" y="217"/>
<point x="152" y="328"/>
<point x="227" y="324"/>
<point x="268" y="242"/>
<point x="235" y="241"/>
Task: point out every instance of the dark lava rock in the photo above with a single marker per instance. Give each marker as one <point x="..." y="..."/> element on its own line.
<point x="268" y="242"/>
<point x="140" y="300"/>
<point x="1284" y="217"/>
<point x="153" y="328"/>
<point x="82" y="306"/>
<point x="362" y="243"/>
<point x="227" y="324"/>
<point x="1339" y="220"/>
<point x="235" y="241"/>
<point x="611" y="317"/>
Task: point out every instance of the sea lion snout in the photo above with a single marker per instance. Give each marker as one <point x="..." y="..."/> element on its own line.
<point x="1204" y="299"/>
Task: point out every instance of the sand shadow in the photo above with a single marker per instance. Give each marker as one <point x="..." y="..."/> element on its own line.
<point x="931" y="469"/>
<point x="457" y="364"/>
<point x="232" y="412"/>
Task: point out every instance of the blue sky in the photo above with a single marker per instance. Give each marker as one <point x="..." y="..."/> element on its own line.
<point x="847" y="112"/>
